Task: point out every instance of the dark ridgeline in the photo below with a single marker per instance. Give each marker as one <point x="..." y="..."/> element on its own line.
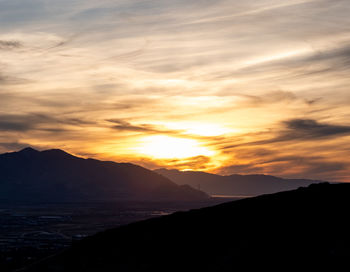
<point x="236" y="185"/>
<point x="290" y="228"/>
<point x="56" y="176"/>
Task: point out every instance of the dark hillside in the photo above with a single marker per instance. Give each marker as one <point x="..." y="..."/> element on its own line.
<point x="309" y="224"/>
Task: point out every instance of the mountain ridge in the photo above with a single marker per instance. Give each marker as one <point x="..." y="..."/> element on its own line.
<point x="55" y="175"/>
<point x="244" y="185"/>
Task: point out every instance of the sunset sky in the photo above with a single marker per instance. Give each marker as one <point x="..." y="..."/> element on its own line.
<point x="228" y="87"/>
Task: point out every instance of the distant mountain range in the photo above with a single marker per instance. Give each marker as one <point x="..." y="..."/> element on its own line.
<point x="234" y="185"/>
<point x="308" y="226"/>
<point x="56" y="176"/>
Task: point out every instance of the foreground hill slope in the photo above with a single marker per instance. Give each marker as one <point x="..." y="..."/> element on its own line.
<point x="309" y="224"/>
<point x="54" y="175"/>
<point x="237" y="185"/>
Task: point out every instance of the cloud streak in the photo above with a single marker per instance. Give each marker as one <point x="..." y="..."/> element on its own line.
<point x="9" y="45"/>
<point x="311" y="129"/>
<point x="94" y="77"/>
<point x="122" y="125"/>
<point x="37" y="121"/>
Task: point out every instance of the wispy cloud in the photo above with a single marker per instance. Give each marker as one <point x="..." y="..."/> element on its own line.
<point x="37" y="121"/>
<point x="107" y="73"/>
<point x="123" y="125"/>
<point x="311" y="129"/>
<point x="9" y="45"/>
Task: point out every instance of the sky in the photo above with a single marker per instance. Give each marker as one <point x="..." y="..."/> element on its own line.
<point x="228" y="87"/>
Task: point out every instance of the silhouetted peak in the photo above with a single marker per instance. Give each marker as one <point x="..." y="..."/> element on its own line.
<point x="28" y="150"/>
<point x="55" y="175"/>
<point x="51" y="152"/>
<point x="57" y="153"/>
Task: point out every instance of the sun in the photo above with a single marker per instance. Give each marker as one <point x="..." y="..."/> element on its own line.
<point x="165" y="147"/>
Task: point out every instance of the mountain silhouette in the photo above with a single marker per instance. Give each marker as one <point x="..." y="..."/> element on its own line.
<point x="308" y="225"/>
<point x="56" y="176"/>
<point x="235" y="185"/>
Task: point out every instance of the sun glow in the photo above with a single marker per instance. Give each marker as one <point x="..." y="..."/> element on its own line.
<point x="165" y="147"/>
<point x="201" y="129"/>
